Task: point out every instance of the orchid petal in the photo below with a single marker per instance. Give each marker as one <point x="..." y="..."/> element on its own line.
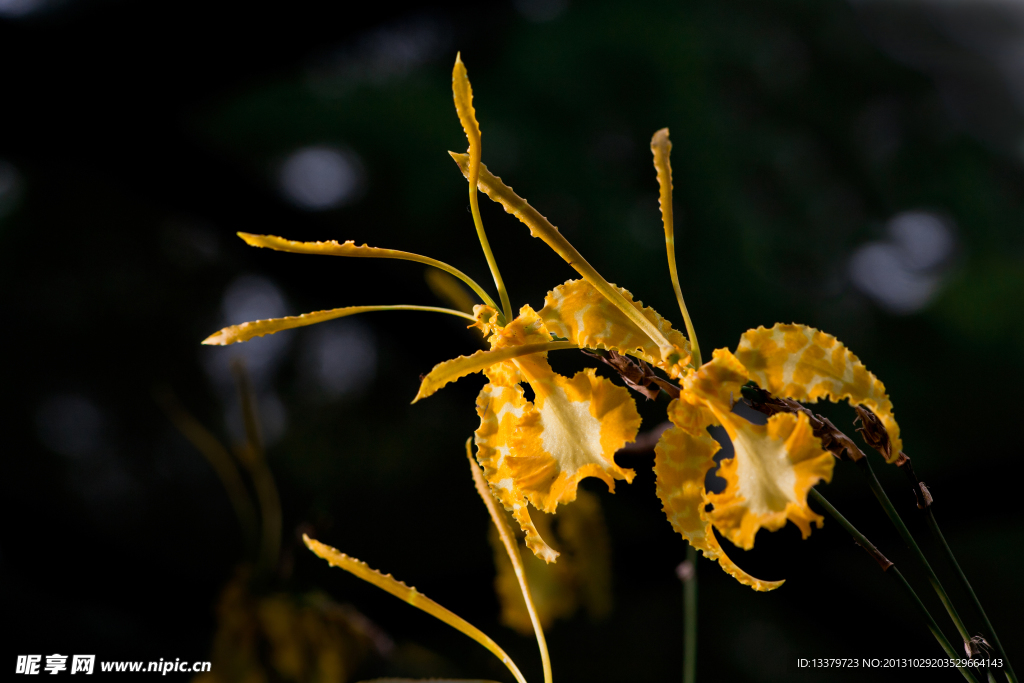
<point x="661" y="148"/>
<point x="804" y="364"/>
<point x="500" y="409"/>
<point x="683" y="456"/>
<point x="539" y="452"/>
<point x="775" y="464"/>
<point x="767" y="481"/>
<point x="580" y="313"/>
<point x="573" y="432"/>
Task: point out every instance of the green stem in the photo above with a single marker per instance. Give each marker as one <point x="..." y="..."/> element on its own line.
<point x="894" y="517"/>
<point x="690" y="618"/>
<point x="891" y="569"/>
<point x="934" y="526"/>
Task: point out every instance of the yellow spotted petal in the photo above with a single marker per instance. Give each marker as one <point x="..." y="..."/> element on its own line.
<point x="451" y="370"/>
<point x="572" y="433"/>
<point x="501" y="408"/>
<point x="258" y="328"/>
<point x="769" y="477"/>
<point x="584" y="316"/>
<point x="804" y="364"/>
<point x="682" y="460"/>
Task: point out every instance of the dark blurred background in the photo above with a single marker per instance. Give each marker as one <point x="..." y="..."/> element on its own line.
<point x="855" y="166"/>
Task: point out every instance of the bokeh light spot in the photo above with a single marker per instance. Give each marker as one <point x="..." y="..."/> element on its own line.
<point x="319" y="178"/>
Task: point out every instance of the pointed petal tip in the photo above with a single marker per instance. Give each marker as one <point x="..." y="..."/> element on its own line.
<point x="215" y="339"/>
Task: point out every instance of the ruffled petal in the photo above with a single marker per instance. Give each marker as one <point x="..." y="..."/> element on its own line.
<point x="572" y="432"/>
<point x="775" y="464"/>
<point x="501" y="409"/>
<point x="804" y="364"/>
<point x="584" y="316"/>
<point x="682" y="460"/>
<point x="768" y="479"/>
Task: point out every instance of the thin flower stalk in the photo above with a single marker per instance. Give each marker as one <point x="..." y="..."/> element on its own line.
<point x="690" y="617"/>
<point x="889" y="568"/>
<point x="1011" y="676"/>
<point x="878" y="439"/>
<point x="897" y="521"/>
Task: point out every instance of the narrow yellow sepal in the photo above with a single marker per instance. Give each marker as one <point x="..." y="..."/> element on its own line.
<point x="584" y="316"/>
<point x="804" y="364"/>
<point x="462" y="91"/>
<point x="456" y="368"/>
<point x="351" y="250"/>
<point x="410" y="595"/>
<point x="513" y="560"/>
<point x="257" y="328"/>
<point x="661" y="148"/>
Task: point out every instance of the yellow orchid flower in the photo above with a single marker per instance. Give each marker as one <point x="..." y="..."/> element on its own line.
<point x="775" y="465"/>
<point x="536" y="451"/>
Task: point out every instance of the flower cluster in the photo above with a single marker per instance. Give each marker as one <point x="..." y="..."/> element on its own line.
<point x="535" y="452"/>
